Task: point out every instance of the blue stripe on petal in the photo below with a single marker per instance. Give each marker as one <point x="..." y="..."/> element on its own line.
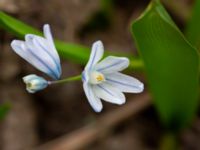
<point x="51" y="72"/>
<point x="109" y="66"/>
<point x="121" y="83"/>
<point x="105" y="90"/>
<point x="95" y="54"/>
<point x="52" y="57"/>
<point x="83" y="76"/>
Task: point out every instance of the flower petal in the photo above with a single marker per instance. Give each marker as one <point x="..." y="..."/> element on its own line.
<point x="109" y="93"/>
<point x="112" y="64"/>
<point x="49" y="37"/>
<point x="40" y="51"/>
<point x="94" y="101"/>
<point x="96" y="54"/>
<point x="85" y="76"/>
<point x="125" y="83"/>
<point x="21" y="49"/>
<point x="28" y="78"/>
<point x="43" y="45"/>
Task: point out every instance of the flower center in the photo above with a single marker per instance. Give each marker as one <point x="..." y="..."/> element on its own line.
<point x="29" y="85"/>
<point x="96" y="77"/>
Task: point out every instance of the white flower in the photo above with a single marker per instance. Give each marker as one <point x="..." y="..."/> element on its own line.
<point x="40" y="52"/>
<point x="34" y="83"/>
<point x="103" y="80"/>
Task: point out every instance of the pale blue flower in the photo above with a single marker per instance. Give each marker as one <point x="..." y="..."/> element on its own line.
<point x="40" y="52"/>
<point x="103" y="80"/>
<point x="34" y="83"/>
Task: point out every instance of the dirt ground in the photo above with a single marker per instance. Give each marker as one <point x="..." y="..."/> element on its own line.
<point x="60" y="110"/>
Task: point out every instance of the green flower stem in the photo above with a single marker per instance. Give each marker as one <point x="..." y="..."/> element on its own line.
<point x="70" y="79"/>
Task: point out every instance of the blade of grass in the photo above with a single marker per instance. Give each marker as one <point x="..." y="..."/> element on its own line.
<point x="73" y="52"/>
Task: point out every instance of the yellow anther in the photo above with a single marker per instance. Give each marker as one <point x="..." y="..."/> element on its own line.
<point x="100" y="78"/>
<point x="96" y="77"/>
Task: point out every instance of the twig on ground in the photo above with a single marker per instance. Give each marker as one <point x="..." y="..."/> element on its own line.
<point x="85" y="136"/>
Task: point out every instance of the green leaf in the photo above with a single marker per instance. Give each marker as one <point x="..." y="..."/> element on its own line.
<point x="4" y="108"/>
<point x="73" y="52"/>
<point x="171" y="65"/>
<point x="193" y="26"/>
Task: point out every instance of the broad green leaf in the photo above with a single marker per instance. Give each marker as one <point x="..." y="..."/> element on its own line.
<point x="4" y="108"/>
<point x="171" y="66"/>
<point x="193" y="26"/>
<point x="73" y="52"/>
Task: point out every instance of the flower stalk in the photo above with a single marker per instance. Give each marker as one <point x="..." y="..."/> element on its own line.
<point x="70" y="79"/>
